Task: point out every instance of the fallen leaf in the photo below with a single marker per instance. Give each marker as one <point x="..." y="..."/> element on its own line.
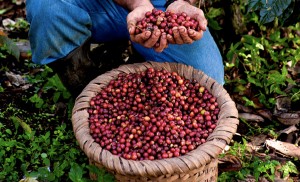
<point x="251" y="117"/>
<point x="284" y="148"/>
<point x="288" y="130"/>
<point x="229" y="163"/>
<point x="265" y="113"/>
<point x="29" y="180"/>
<point x="295" y="70"/>
<point x="258" y="140"/>
<point x="15" y="79"/>
<point x="290" y="118"/>
<point x="243" y="108"/>
<point x="7" y="23"/>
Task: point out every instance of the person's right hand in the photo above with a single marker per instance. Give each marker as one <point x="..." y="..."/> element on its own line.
<point x="147" y="38"/>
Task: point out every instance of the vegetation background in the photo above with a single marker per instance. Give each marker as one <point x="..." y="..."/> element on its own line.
<point x="259" y="41"/>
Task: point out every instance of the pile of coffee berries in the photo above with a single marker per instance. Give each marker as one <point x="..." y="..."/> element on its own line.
<point x="165" y="21"/>
<point x="153" y="114"/>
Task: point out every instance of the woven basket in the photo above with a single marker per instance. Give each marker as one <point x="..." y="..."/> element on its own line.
<point x="200" y="164"/>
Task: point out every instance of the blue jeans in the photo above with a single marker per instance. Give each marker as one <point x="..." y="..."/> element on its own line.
<point x="59" y="26"/>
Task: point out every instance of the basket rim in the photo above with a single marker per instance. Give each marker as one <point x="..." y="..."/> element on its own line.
<point x="202" y="155"/>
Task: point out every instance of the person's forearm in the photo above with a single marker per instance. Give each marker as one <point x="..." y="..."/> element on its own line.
<point x="132" y="4"/>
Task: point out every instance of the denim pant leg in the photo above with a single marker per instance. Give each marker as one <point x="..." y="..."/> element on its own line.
<point x="59" y="26"/>
<point x="56" y="28"/>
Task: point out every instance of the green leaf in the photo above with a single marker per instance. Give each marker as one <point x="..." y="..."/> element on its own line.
<point x="249" y="102"/>
<point x="8" y="131"/>
<point x="273" y="9"/>
<point x="259" y="46"/>
<point x="43" y="155"/>
<point x="59" y="168"/>
<point x="56" y="96"/>
<point x="24" y="125"/>
<point x="254" y="5"/>
<point x="76" y="173"/>
<point x="254" y="81"/>
<point x="213" y="24"/>
<point x="288" y="168"/>
<point x="108" y="178"/>
<point x="214" y="12"/>
<point x="10" y="46"/>
<point x="37" y="100"/>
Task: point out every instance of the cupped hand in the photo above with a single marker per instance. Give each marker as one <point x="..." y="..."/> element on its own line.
<point x="149" y="39"/>
<point x="182" y="35"/>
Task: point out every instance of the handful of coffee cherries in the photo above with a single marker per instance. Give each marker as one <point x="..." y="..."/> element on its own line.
<point x="165" y="21"/>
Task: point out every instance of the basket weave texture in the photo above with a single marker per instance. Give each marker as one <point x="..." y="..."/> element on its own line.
<point x="200" y="164"/>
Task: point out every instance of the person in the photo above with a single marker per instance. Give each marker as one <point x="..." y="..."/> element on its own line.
<point x="62" y="30"/>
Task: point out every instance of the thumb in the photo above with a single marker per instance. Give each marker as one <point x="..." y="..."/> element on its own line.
<point x="131" y="27"/>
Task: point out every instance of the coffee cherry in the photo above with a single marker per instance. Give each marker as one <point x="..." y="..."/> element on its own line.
<point x="165" y="21"/>
<point x="152" y="114"/>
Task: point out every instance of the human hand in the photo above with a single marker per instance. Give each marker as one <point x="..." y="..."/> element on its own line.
<point x="150" y="39"/>
<point x="182" y="35"/>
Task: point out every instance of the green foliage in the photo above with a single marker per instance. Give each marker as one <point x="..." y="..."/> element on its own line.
<point x="211" y="16"/>
<point x="288" y="168"/>
<point x="53" y="85"/>
<point x="262" y="62"/>
<point x="254" y="166"/>
<point x="46" y="155"/>
<point x="102" y="175"/>
<point x="264" y="168"/>
<point x="271" y="9"/>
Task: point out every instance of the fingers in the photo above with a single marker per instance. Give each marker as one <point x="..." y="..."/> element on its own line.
<point x="153" y="39"/>
<point x="140" y="38"/>
<point x="171" y="39"/>
<point x="177" y="36"/>
<point x="185" y="36"/>
<point x="131" y="26"/>
<point x="195" y="35"/>
<point x="182" y="36"/>
<point x="163" y="44"/>
<point x="202" y="20"/>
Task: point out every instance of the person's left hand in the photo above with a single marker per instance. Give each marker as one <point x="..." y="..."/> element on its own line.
<point x="150" y="39"/>
<point x="182" y="35"/>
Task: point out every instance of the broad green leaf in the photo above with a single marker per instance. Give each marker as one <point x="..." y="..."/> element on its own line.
<point x="213" y="24"/>
<point x="272" y="9"/>
<point x="56" y="96"/>
<point x="214" y="12"/>
<point x="76" y="173"/>
<point x="37" y="100"/>
<point x="24" y="125"/>
<point x="259" y="46"/>
<point x="8" y="131"/>
<point x="288" y="168"/>
<point x="43" y="155"/>
<point x="254" y="81"/>
<point x="254" y="5"/>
